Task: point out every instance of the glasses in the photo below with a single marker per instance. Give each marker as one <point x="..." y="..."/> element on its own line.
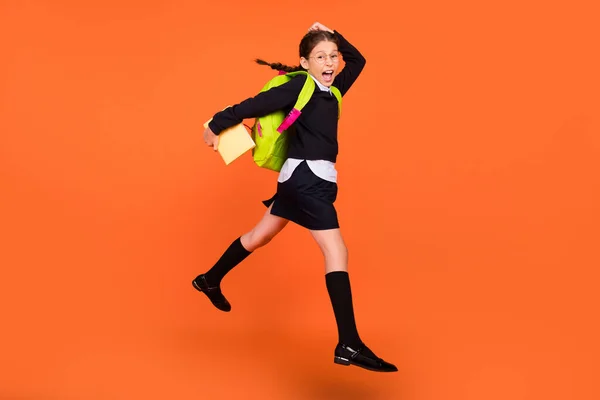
<point x="320" y="58"/>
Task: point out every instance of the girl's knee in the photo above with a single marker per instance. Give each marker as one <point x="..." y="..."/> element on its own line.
<point x="264" y="239"/>
<point x="254" y="240"/>
<point x="337" y="251"/>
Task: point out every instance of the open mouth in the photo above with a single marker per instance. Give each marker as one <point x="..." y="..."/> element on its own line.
<point x="328" y="76"/>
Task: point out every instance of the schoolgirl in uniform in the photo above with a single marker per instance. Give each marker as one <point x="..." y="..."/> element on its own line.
<point x="307" y="183"/>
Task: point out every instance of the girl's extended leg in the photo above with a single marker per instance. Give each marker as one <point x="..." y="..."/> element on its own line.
<point x="337" y="280"/>
<point x="209" y="283"/>
<point x="350" y="348"/>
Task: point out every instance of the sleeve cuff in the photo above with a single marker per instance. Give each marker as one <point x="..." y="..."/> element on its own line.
<point x="214" y="128"/>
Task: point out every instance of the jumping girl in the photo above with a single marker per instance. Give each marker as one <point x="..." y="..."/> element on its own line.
<point x="307" y="183"/>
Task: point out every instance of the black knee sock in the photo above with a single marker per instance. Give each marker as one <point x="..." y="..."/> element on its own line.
<point x="338" y="286"/>
<point x="235" y="254"/>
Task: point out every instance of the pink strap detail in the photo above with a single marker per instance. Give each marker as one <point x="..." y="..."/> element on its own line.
<point x="282" y="73"/>
<point x="289" y="120"/>
<point x="259" y="129"/>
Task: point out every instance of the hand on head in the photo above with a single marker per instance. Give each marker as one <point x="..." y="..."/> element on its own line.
<point x="317" y="26"/>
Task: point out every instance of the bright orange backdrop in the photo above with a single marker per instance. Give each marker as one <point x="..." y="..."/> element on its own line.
<point x="469" y="199"/>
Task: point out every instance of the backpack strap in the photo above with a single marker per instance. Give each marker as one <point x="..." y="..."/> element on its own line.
<point x="303" y="98"/>
<point x="338" y="95"/>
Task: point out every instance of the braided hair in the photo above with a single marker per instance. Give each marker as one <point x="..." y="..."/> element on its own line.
<point x="307" y="44"/>
<point x="279" y="66"/>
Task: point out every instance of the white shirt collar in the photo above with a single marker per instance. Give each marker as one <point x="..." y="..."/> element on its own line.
<point x="321" y="86"/>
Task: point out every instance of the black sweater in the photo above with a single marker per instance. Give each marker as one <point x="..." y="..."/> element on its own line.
<point x="315" y="133"/>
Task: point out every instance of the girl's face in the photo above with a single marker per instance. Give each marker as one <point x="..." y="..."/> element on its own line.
<point x="323" y="62"/>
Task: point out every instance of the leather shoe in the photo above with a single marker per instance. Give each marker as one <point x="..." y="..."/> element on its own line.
<point x="347" y="355"/>
<point x="212" y="292"/>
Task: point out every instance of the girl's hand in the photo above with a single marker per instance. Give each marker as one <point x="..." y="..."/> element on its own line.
<point x="319" y="26"/>
<point x="211" y="139"/>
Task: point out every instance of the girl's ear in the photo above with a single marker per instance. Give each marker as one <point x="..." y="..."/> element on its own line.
<point x="304" y="62"/>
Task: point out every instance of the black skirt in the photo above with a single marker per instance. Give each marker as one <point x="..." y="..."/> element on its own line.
<point x="306" y="200"/>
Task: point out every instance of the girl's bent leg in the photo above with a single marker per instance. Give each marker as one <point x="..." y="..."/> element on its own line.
<point x="209" y="283"/>
<point x="337" y="280"/>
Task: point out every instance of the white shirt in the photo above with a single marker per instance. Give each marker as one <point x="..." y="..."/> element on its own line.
<point x="324" y="169"/>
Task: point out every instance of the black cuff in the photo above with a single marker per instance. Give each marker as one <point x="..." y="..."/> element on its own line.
<point x="214" y="128"/>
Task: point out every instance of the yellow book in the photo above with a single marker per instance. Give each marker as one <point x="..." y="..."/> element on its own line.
<point x="233" y="142"/>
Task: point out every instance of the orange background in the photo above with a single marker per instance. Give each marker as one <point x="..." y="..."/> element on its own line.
<point x="469" y="199"/>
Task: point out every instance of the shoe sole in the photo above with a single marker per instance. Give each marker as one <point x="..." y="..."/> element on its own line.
<point x="345" y="362"/>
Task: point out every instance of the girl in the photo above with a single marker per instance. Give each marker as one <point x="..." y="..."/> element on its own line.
<point x="307" y="182"/>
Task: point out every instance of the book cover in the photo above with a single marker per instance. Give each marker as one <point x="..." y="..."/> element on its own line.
<point x="233" y="142"/>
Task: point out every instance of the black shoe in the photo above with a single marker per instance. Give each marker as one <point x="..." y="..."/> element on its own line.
<point x="345" y="355"/>
<point x="213" y="293"/>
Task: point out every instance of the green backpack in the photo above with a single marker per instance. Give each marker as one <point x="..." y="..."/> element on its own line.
<point x="271" y="132"/>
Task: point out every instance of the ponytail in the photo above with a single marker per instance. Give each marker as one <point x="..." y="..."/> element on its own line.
<point x="280" y="66"/>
